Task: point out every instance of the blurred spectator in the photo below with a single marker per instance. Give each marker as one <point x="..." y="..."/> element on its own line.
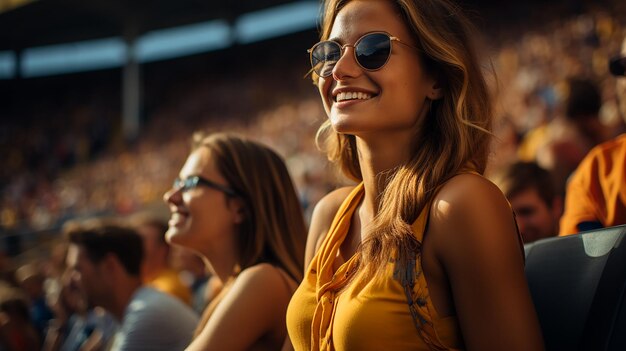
<point x="204" y="286"/>
<point x="31" y="279"/>
<point x="596" y="194"/>
<point x="560" y="145"/>
<point x="155" y="268"/>
<point x="537" y="206"/>
<point x="77" y="325"/>
<point x="17" y="332"/>
<point x="53" y="268"/>
<point x="105" y="261"/>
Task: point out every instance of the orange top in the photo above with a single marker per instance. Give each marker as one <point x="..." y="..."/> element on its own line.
<point x="324" y="314"/>
<point x="168" y="281"/>
<point x="596" y="194"/>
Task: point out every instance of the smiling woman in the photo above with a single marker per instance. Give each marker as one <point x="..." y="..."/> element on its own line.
<point x="423" y="253"/>
<point x="235" y="205"/>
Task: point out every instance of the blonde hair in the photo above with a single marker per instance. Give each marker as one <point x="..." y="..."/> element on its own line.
<point x="455" y="135"/>
<point x="274" y="230"/>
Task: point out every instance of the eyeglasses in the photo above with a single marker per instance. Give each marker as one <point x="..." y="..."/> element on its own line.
<point x="193" y="181"/>
<point x="371" y="52"/>
<point x="617" y="66"/>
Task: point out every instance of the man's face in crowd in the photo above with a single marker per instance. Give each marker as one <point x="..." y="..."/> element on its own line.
<point x="86" y="274"/>
<point x="536" y="220"/>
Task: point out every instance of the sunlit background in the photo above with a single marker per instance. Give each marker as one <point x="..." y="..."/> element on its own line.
<point x="98" y="99"/>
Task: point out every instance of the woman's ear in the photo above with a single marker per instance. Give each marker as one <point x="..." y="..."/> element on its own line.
<point x="436" y="91"/>
<point x="238" y="208"/>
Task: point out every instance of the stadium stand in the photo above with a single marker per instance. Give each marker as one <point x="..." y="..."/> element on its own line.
<point x="64" y="156"/>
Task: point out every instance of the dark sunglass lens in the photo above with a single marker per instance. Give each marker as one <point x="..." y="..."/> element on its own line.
<point x="373" y="50"/>
<point x="617" y="66"/>
<point x="324" y="56"/>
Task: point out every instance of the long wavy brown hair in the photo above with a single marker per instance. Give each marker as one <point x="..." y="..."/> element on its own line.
<point x="454" y="137"/>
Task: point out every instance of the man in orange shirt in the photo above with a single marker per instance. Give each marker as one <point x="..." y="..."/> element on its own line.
<point x="596" y="194"/>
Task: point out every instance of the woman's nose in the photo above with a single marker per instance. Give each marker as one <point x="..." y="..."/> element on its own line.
<point x="346" y="66"/>
<point x="172" y="196"/>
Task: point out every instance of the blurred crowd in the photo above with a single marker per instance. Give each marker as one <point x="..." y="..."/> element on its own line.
<point x="55" y="173"/>
<point x="64" y="157"/>
<point x="71" y="162"/>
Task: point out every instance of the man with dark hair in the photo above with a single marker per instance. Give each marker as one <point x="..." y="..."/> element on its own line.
<point x="596" y="194"/>
<point x="534" y="199"/>
<point x="105" y="261"/>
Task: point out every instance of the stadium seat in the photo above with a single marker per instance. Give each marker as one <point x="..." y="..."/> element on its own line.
<point x="578" y="286"/>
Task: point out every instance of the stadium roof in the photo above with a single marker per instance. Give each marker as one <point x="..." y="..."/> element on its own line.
<point x="47" y="22"/>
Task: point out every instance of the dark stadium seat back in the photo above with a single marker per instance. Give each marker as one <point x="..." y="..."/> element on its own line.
<point x="576" y="284"/>
<point x="606" y="324"/>
<point x="618" y="332"/>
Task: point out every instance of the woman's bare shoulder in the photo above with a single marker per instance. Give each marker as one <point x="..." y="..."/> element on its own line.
<point x="330" y="203"/>
<point x="253" y="307"/>
<point x="466" y="188"/>
<point x="322" y="217"/>
<point x="276" y="279"/>
<point x="471" y="210"/>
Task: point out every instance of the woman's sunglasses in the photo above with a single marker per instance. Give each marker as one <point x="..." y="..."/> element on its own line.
<point x="194" y="181"/>
<point x="371" y="52"/>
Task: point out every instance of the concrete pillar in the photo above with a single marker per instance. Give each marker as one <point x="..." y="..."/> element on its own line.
<point x="131" y="89"/>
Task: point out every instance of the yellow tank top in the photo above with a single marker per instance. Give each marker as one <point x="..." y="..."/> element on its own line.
<point x="324" y="314"/>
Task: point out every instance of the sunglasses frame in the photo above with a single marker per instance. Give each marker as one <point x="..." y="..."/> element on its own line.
<point x="354" y="46"/>
<point x="194" y="181"/>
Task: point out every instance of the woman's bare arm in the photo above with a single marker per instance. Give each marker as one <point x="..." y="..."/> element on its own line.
<point x="479" y="249"/>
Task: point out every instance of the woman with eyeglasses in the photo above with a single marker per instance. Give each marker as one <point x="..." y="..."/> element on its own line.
<point x="236" y="206"/>
<point x="423" y="254"/>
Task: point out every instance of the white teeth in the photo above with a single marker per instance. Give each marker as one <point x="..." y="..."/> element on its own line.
<point x="352" y="96"/>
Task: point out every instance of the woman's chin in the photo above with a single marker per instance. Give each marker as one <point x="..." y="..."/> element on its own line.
<point x="176" y="235"/>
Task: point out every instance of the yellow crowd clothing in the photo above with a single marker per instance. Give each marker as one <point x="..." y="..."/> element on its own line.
<point x="168" y="281"/>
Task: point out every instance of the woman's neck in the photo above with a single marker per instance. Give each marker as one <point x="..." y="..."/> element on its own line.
<point x="223" y="263"/>
<point x="378" y="160"/>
